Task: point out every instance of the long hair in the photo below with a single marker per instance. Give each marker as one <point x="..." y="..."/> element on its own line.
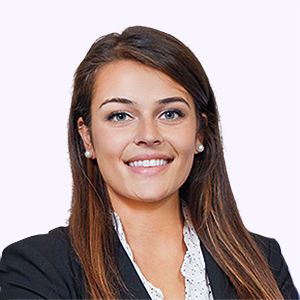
<point x="207" y="190"/>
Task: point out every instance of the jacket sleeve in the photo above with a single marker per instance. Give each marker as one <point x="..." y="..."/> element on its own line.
<point x="278" y="266"/>
<point x="38" y="268"/>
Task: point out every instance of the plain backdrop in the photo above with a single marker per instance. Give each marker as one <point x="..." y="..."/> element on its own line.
<point x="250" y="51"/>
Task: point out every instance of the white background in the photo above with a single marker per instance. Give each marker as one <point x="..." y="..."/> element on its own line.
<point x="250" y="51"/>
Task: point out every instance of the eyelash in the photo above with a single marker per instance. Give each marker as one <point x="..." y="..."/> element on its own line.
<point x="179" y="113"/>
<point x="112" y="116"/>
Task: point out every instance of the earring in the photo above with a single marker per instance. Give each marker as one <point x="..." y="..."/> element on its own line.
<point x="200" y="148"/>
<point x="88" y="153"/>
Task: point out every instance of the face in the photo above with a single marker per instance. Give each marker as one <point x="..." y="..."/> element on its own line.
<point x="143" y="132"/>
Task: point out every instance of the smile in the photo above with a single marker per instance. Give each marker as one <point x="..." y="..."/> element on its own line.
<point x="148" y="163"/>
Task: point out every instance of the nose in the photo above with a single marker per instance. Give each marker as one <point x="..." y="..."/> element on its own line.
<point x="148" y="133"/>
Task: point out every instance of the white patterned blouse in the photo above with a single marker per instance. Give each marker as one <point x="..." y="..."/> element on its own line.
<point x="193" y="267"/>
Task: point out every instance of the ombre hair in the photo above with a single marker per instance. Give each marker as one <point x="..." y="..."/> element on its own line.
<point x="207" y="190"/>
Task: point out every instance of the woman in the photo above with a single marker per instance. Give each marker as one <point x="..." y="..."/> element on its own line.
<point x="153" y="215"/>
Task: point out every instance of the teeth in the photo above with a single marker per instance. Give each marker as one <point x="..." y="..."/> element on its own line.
<point x="148" y="163"/>
<point x="152" y="163"/>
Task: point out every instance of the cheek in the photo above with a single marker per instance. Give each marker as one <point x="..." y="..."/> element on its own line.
<point x="186" y="146"/>
<point x="185" y="142"/>
<point x="109" y="147"/>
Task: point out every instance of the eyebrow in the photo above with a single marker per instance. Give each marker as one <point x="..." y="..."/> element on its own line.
<point x="118" y="100"/>
<point x="173" y="99"/>
<point x="130" y="102"/>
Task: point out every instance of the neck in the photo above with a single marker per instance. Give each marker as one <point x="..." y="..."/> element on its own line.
<point x="150" y="219"/>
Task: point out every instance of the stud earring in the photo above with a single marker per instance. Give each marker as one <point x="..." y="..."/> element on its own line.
<point x="200" y="148"/>
<point x="88" y="153"/>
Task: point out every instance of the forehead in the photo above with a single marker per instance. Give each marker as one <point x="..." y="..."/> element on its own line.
<point x="135" y="81"/>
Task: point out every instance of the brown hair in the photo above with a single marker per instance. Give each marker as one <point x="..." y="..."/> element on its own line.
<point x="207" y="190"/>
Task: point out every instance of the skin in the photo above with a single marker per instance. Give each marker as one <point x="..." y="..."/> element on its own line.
<point x="140" y="114"/>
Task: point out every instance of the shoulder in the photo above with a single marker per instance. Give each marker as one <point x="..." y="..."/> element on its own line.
<point x="44" y="265"/>
<point x="56" y="239"/>
<point x="52" y="248"/>
<point x="268" y="246"/>
<point x="48" y="245"/>
<point x="272" y="253"/>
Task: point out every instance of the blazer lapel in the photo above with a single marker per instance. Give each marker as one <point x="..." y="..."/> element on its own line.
<point x="221" y="287"/>
<point x="135" y="288"/>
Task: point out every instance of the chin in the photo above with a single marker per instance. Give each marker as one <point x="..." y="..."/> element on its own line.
<point x="143" y="194"/>
<point x="154" y="197"/>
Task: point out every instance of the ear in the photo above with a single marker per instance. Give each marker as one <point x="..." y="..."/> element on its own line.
<point x="199" y="137"/>
<point x="84" y="132"/>
<point x="199" y="141"/>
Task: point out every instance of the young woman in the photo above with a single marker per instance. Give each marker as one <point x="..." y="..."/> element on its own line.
<point x="153" y="215"/>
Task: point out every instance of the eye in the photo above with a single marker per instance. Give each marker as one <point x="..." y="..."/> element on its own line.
<point x="171" y="114"/>
<point x="119" y="116"/>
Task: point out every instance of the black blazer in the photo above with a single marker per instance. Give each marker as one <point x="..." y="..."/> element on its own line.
<point x="46" y="267"/>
